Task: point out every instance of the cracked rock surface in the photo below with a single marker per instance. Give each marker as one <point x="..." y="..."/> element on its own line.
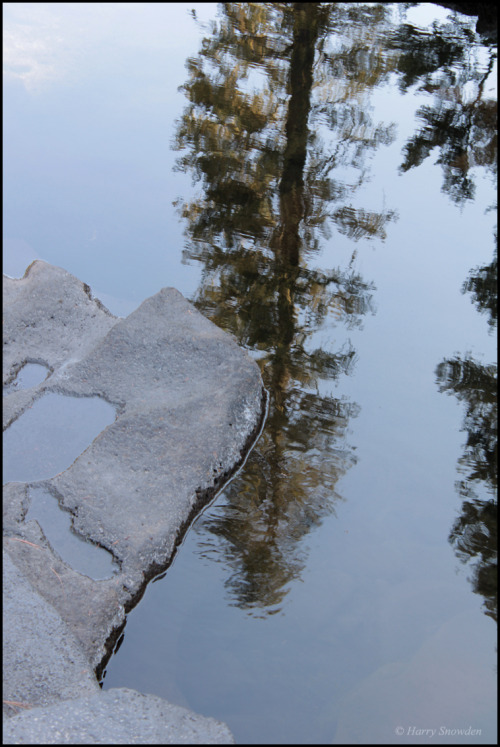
<point x="189" y="404"/>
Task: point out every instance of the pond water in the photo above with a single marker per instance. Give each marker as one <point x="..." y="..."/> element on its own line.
<point x="333" y="169"/>
<point x="28" y="376"/>
<point x="82" y="555"/>
<point x="50" y="434"/>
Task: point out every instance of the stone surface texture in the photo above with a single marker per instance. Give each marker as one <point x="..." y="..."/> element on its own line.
<point x="118" y="716"/>
<point x="189" y="404"/>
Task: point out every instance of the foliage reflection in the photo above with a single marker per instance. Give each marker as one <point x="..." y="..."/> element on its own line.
<point x="461" y="121"/>
<point x="474" y="533"/>
<point x="276" y="105"/>
<point x="278" y="132"/>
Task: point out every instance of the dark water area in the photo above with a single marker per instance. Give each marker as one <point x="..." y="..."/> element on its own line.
<point x="320" y="180"/>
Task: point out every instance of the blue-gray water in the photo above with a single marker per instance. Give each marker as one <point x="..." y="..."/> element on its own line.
<point x="29" y="375"/>
<point x="45" y="440"/>
<point x="50" y="434"/>
<point x="342" y="225"/>
<point x="80" y="554"/>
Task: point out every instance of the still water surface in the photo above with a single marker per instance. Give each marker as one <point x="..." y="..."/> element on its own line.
<point x="333" y="169"/>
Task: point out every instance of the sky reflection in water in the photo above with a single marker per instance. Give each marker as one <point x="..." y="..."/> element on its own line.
<point x="341" y="227"/>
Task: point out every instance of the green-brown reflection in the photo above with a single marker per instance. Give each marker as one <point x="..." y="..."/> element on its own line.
<point x="461" y="121"/>
<point x="277" y="101"/>
<point x="474" y="533"/>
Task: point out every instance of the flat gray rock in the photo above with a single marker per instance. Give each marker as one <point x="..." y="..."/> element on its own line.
<point x="42" y="660"/>
<point x="189" y="405"/>
<point x="118" y="716"/>
<point x="49" y="317"/>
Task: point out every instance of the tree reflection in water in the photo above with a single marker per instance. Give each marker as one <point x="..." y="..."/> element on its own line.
<point x="277" y="130"/>
<point x="270" y="190"/>
<point x="474" y="533"/>
<point x="462" y="125"/>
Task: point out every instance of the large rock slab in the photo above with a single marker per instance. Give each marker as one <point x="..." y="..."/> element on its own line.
<point x="117" y="716"/>
<point x="42" y="660"/>
<point x="49" y="317"/>
<point x="47" y="677"/>
<point x="189" y="405"/>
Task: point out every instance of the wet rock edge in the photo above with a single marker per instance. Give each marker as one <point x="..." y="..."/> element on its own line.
<point x="203" y="499"/>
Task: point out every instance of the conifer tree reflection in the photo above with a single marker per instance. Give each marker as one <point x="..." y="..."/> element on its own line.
<point x="462" y="120"/>
<point x="474" y="533"/>
<point x="482" y="284"/>
<point x="269" y="190"/>
<point x="444" y="63"/>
